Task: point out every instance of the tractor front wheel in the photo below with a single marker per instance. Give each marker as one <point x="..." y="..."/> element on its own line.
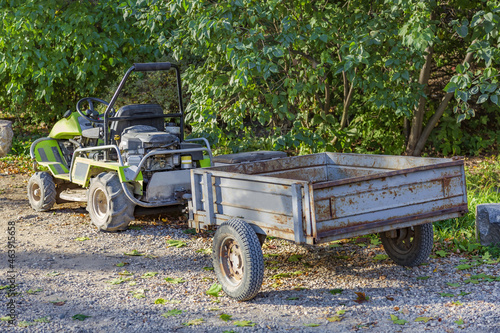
<point x="41" y="191"/>
<point x="108" y="206"/>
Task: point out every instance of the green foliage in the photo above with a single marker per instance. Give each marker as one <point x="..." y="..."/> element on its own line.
<point x="474" y="85"/>
<point x="173" y="312"/>
<point x="80" y="317"/>
<point x="53" y="52"/>
<point x="482" y="187"/>
<point x="269" y="75"/>
<point x="214" y="290"/>
<point x="263" y="74"/>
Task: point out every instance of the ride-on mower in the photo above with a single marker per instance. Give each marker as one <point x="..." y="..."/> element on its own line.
<point x="117" y="160"/>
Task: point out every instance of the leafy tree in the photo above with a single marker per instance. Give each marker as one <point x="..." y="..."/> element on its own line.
<point x="324" y="75"/>
<point x="53" y="52"/>
<point x="475" y="75"/>
<point x="287" y="75"/>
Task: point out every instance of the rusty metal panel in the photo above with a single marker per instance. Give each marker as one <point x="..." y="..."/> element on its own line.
<point x="270" y="218"/>
<point x="324" y="196"/>
<point x="298" y="227"/>
<point x="312" y="174"/>
<point x="288" y="163"/>
<point x="383" y="226"/>
<point x="323" y="209"/>
<point x="383" y="161"/>
<point x="357" y="203"/>
<point x="402" y="212"/>
<point x="384" y="181"/>
<point x="256" y="178"/>
<point x="261" y="224"/>
<point x="336" y="172"/>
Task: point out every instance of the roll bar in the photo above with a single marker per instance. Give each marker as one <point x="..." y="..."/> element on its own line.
<point x="145" y="67"/>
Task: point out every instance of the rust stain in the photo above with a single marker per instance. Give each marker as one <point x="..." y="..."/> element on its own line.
<point x="446" y="186"/>
<point x="280" y="219"/>
<point x="333" y="208"/>
<point x="349" y="228"/>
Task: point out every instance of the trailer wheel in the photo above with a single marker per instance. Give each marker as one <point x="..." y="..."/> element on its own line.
<point x="41" y="191"/>
<point x="409" y="246"/>
<point x="237" y="259"/>
<point x="262" y="239"/>
<point x="108" y="206"/>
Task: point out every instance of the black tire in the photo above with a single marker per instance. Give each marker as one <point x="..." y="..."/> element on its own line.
<point x="41" y="191"/>
<point x="237" y="259"/>
<point x="108" y="206"/>
<point x="411" y="246"/>
<point x="262" y="239"/>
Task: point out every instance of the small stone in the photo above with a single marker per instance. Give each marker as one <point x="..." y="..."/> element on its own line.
<point x="488" y="224"/>
<point x="6" y="135"/>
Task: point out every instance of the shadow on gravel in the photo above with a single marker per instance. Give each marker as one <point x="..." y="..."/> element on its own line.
<point x="8" y="201"/>
<point x="322" y="297"/>
<point x="50" y="261"/>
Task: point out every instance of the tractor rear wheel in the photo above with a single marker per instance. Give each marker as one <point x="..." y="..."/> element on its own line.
<point x="108" y="206"/>
<point x="41" y="191"/>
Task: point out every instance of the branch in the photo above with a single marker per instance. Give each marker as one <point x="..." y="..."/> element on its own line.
<point x="326" y="107"/>
<point x="314" y="62"/>
<point x="418" y="117"/>
<point x="439" y="112"/>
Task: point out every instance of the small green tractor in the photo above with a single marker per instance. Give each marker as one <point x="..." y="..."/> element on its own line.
<point x="117" y="160"/>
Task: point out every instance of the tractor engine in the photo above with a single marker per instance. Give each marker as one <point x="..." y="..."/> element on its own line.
<point x="137" y="141"/>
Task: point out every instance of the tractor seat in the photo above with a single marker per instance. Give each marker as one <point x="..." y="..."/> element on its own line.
<point x="137" y="114"/>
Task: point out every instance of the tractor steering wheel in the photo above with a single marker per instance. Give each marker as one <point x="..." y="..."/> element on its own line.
<point x="91" y="115"/>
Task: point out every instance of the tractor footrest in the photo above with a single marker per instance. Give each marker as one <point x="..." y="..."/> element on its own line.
<point x="74" y="195"/>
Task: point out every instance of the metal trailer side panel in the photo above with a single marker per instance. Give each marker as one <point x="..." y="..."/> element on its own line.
<point x="273" y="206"/>
<point x="321" y="197"/>
<point x="387" y="162"/>
<point x="417" y="195"/>
<point x="266" y="168"/>
<point x="382" y="226"/>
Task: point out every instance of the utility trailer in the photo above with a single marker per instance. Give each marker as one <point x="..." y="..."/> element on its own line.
<point x="319" y="198"/>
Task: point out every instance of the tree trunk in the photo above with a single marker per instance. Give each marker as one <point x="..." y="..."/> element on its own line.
<point x="348" y="91"/>
<point x="436" y="116"/>
<point x="418" y="116"/>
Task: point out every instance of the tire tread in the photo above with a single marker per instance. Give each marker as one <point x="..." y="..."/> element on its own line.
<point x="421" y="251"/>
<point x="250" y="245"/>
<point x="48" y="188"/>
<point x="121" y="209"/>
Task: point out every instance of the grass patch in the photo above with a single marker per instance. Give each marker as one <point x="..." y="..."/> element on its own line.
<point x="483" y="177"/>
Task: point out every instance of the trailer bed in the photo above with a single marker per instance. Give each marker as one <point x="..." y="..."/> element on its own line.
<point x="328" y="196"/>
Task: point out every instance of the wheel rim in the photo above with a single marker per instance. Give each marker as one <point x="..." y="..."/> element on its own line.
<point x="36" y="192"/>
<point x="404" y="241"/>
<point x="100" y="203"/>
<point x="231" y="261"/>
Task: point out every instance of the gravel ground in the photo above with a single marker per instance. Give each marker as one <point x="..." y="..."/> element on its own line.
<point x="59" y="277"/>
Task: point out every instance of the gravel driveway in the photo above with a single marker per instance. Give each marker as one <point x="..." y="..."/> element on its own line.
<point x="66" y="270"/>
